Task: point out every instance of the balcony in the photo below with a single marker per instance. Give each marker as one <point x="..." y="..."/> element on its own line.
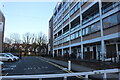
<point x="91" y="13"/>
<point x="107" y="6"/>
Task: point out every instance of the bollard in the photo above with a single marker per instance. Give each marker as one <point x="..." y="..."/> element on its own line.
<point x="65" y="78"/>
<point x="40" y="78"/>
<point x="119" y="76"/>
<point x="104" y="76"/>
<point x="69" y="65"/>
<point x="86" y="77"/>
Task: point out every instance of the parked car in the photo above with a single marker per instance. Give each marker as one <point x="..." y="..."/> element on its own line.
<point x="1" y="64"/>
<point x="6" y="57"/>
<point x="15" y="57"/>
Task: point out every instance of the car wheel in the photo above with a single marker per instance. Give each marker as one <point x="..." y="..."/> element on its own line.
<point x="9" y="60"/>
<point x="15" y="59"/>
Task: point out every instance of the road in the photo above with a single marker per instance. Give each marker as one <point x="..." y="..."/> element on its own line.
<point x="30" y="65"/>
<point x="33" y="65"/>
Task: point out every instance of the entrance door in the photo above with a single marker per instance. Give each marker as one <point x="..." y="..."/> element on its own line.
<point x="111" y="50"/>
<point x="94" y="53"/>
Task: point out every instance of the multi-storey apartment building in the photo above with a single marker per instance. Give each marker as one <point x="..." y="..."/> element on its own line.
<point x="50" y="45"/>
<point x="2" y="24"/>
<point x="87" y="30"/>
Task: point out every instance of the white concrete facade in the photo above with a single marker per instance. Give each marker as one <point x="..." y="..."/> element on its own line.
<point x="96" y="46"/>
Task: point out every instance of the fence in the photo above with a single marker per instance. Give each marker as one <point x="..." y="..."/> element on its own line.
<point x="65" y="75"/>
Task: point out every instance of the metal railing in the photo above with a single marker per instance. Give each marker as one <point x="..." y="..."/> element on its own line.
<point x="65" y="75"/>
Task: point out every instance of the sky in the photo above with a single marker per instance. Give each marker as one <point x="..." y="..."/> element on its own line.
<point x="22" y="17"/>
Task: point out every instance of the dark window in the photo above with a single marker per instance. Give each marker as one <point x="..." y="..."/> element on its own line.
<point x="75" y="22"/>
<point x="59" y="33"/>
<point x="55" y="36"/>
<point x="74" y="9"/>
<point x="106" y="6"/>
<point x="118" y="47"/>
<point x="66" y="28"/>
<point x="91" y="13"/>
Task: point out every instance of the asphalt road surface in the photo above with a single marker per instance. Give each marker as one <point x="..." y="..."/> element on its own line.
<point x="30" y="65"/>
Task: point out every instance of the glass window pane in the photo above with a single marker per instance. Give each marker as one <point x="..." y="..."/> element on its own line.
<point x="114" y="20"/>
<point x="76" y="34"/>
<point x="79" y="33"/>
<point x="87" y="29"/>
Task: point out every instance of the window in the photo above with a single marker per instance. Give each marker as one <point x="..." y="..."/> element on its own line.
<point x="79" y="33"/>
<point x="107" y="6"/>
<point x="66" y="28"/>
<point x="97" y="26"/>
<point x="68" y="38"/>
<point x="72" y="11"/>
<point x="83" y="2"/>
<point x="66" y="17"/>
<point x="92" y="28"/>
<point x="55" y="36"/>
<point x="75" y="9"/>
<point x="72" y="36"/>
<point x="111" y="20"/>
<point x="66" y="6"/>
<point x="83" y="32"/>
<point x="87" y="30"/>
<point x="76" y="35"/>
<point x="91" y="13"/>
<point x="76" y="22"/>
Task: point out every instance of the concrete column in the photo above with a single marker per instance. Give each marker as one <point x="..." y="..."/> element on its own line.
<point x="77" y="53"/>
<point x="62" y="52"/>
<point x="96" y="52"/>
<point x="70" y="51"/>
<point x="117" y="52"/>
<point x="57" y="52"/>
<point x="103" y="53"/>
<point x="82" y="51"/>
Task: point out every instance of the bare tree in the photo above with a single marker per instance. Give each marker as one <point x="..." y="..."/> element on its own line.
<point x="33" y="38"/>
<point x="27" y="38"/>
<point x="41" y="41"/>
<point x="7" y="44"/>
<point x="7" y="40"/>
<point x="26" y="41"/>
<point x="15" y="38"/>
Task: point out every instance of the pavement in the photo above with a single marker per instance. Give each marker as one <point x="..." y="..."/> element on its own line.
<point x="80" y="68"/>
<point x="74" y="67"/>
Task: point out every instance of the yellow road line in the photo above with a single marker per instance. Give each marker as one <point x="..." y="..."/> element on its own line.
<point x="81" y="77"/>
<point x="6" y="74"/>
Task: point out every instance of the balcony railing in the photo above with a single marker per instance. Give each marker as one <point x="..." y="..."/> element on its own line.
<point x="91" y="17"/>
<point x="109" y="6"/>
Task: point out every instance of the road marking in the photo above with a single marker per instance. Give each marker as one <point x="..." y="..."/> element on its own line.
<point x="6" y="74"/>
<point x="81" y="77"/>
<point x="39" y="68"/>
<point x="34" y="68"/>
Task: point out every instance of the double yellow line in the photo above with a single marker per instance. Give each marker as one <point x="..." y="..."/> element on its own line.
<point x="60" y="67"/>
